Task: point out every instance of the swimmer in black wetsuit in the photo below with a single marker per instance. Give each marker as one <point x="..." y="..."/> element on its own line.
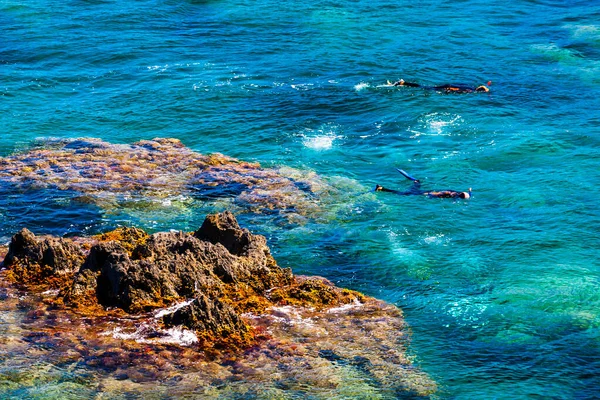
<point x="416" y="190"/>
<point x="444" y="88"/>
<point x="461" y="88"/>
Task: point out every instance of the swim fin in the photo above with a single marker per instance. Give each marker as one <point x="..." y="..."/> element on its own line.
<point x="407" y="176"/>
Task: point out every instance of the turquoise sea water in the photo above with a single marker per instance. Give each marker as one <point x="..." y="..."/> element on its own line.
<point x="501" y="291"/>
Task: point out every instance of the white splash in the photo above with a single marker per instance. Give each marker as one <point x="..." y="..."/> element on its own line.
<point x="178" y="335"/>
<point x="170" y="310"/>
<point x="322" y="138"/>
<point x="361" y="86"/>
<point x="319" y="142"/>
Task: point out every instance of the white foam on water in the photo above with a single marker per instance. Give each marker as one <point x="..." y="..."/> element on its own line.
<point x="438" y="239"/>
<point x="468" y="312"/>
<point x="178" y="335"/>
<point x="170" y="310"/>
<point x="160" y="68"/>
<point x="302" y="86"/>
<point x="436" y="124"/>
<point x="319" y="142"/>
<point x="201" y="86"/>
<point x="290" y="315"/>
<point x="345" y="307"/>
<point x="118" y="333"/>
<point x="322" y="138"/>
<point x="556" y="53"/>
<point x="361" y="86"/>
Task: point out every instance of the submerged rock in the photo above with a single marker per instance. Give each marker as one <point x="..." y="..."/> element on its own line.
<point x="218" y="290"/>
<point x="157" y="170"/>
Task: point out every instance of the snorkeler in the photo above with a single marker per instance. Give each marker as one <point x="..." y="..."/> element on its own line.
<point x="416" y="190"/>
<point x="402" y="82"/>
<point x="444" y="88"/>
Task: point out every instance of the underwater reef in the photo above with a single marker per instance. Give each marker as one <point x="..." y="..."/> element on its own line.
<point x="208" y="310"/>
<point x="110" y="175"/>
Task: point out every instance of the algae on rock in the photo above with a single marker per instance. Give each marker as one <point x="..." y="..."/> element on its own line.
<point x="221" y="288"/>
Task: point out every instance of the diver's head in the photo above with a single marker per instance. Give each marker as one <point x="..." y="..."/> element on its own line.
<point x="401" y="82"/>
<point x="482" y="88"/>
<point x="378" y="188"/>
<point x="464" y="195"/>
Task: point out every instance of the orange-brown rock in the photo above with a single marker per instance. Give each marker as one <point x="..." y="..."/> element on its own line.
<point x="211" y="308"/>
<point x="222" y="270"/>
<point x="47" y="261"/>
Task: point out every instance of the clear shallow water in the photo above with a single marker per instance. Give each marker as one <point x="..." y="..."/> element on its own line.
<point x="501" y="291"/>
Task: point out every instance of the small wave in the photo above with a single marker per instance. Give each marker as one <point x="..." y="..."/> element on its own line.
<point x="302" y="86"/>
<point x="361" y="86"/>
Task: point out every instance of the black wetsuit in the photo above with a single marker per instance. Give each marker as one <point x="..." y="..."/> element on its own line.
<point x="409" y="84"/>
<point x="456" y="88"/>
<point x="444" y="88"/>
<point x="416" y="190"/>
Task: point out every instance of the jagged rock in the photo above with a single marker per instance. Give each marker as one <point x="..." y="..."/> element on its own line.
<point x="32" y="259"/>
<point x="256" y="266"/>
<point x="223" y="228"/>
<point x="221" y="284"/>
<point x="204" y="314"/>
<point x="227" y="270"/>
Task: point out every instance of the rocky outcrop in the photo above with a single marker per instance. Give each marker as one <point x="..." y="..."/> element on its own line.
<point x="212" y="317"/>
<point x="46" y="260"/>
<point x="196" y="304"/>
<point x="226" y="270"/>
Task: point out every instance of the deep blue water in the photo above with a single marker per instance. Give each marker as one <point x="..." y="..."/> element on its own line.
<point x="501" y="291"/>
